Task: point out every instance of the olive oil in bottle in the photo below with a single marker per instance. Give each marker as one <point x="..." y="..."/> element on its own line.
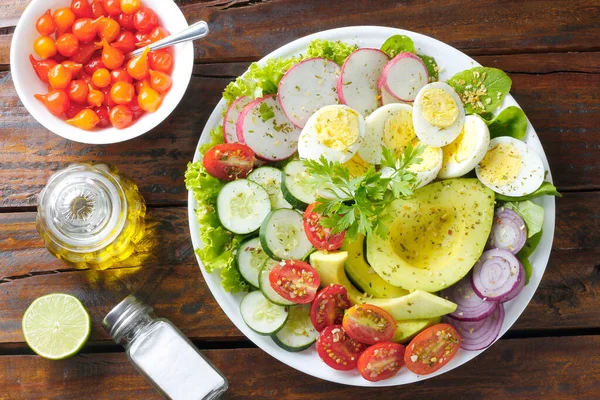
<point x="91" y="216"/>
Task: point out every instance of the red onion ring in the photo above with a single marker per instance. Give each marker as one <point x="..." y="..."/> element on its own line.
<point x="509" y="231"/>
<point x="471" y="307"/>
<point x="520" y="285"/>
<point x="495" y="274"/>
<point x="478" y="335"/>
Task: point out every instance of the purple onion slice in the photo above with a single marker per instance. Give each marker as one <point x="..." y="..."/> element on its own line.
<point x="471" y="307"/>
<point x="495" y="274"/>
<point x="478" y="335"/>
<point x="508" y="231"/>
<point x="520" y="285"/>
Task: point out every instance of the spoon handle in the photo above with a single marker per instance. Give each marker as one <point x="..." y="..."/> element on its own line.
<point x="192" y="32"/>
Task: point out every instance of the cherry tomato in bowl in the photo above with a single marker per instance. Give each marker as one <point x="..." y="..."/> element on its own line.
<point x="369" y="324"/>
<point x="320" y="237"/>
<point x="337" y="349"/>
<point x="295" y="281"/>
<point x="381" y="361"/>
<point x="229" y="161"/>
<point x="329" y="306"/>
<point x="431" y="349"/>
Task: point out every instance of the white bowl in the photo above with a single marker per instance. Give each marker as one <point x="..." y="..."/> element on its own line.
<point x="450" y="61"/>
<point x="27" y="82"/>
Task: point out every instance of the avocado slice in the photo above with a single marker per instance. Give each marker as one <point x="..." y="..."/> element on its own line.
<point x="435" y="236"/>
<point x="416" y="305"/>
<point x="406" y="330"/>
<point x="363" y="276"/>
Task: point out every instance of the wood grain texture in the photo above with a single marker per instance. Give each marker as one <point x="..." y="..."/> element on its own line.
<point x="537" y="368"/>
<point x="568" y="297"/>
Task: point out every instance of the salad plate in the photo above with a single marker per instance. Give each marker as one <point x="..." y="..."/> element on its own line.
<point x="450" y="61"/>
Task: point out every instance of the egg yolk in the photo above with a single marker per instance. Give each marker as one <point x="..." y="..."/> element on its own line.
<point x="501" y="165"/>
<point x="461" y="148"/>
<point x="439" y="108"/>
<point x="357" y="166"/>
<point x="337" y="128"/>
<point x="398" y="131"/>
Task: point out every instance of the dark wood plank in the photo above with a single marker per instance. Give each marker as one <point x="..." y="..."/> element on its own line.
<point x="568" y="297"/>
<point x="537" y="368"/>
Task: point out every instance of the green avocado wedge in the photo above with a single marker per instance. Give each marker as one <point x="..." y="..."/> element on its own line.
<point x="406" y="330"/>
<point x="435" y="236"/>
<point x="416" y="305"/>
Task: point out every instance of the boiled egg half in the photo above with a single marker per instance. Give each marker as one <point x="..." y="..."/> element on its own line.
<point x="467" y="150"/>
<point x="334" y="132"/>
<point x="438" y="114"/>
<point x="391" y="126"/>
<point x="510" y="167"/>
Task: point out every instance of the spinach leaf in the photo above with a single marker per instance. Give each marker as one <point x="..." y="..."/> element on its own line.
<point x="397" y="44"/>
<point x="527" y="267"/>
<point x="532" y="214"/>
<point x="530" y="245"/>
<point x="432" y="67"/>
<point x="481" y="89"/>
<point x="510" y="122"/>
<point x="546" y="189"/>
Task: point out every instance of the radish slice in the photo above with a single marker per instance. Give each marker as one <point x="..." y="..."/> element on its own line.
<point x="520" y="285"/>
<point x="387" y="98"/>
<point x="271" y="140"/>
<point x="357" y="85"/>
<point x="231" y="117"/>
<point x="404" y="76"/>
<point x="306" y="87"/>
<point x="471" y="307"/>
<point x="478" y="335"/>
<point x="495" y="274"/>
<point x="508" y="231"/>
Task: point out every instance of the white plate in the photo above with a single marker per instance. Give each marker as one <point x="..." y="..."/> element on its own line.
<point x="451" y="61"/>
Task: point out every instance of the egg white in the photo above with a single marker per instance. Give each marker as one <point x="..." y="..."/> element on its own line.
<point x="476" y="131"/>
<point x="530" y="176"/>
<point x="372" y="144"/>
<point x="431" y="134"/>
<point x="309" y="146"/>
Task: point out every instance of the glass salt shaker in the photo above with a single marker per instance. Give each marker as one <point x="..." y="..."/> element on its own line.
<point x="162" y="354"/>
<point x="91" y="215"/>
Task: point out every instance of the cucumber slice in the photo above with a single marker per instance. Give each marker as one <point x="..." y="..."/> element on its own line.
<point x="298" y="333"/>
<point x="261" y="315"/>
<point x="296" y="186"/>
<point x="250" y="257"/>
<point x="270" y="179"/>
<point x="267" y="289"/>
<point x="242" y="205"/>
<point x="282" y="235"/>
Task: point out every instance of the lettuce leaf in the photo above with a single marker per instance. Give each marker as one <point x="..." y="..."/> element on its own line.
<point x="532" y="214"/>
<point x="481" y="89"/>
<point x="216" y="137"/>
<point x="510" y="122"/>
<point x="335" y="51"/>
<point x="546" y="189"/>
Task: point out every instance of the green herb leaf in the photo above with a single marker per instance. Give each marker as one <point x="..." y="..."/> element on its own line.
<point x="546" y="189"/>
<point x="432" y="67"/>
<point x="481" y="89"/>
<point x="397" y="44"/>
<point x="510" y="122"/>
<point x="266" y="112"/>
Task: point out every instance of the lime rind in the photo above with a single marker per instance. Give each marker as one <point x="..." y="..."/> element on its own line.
<point x="56" y="326"/>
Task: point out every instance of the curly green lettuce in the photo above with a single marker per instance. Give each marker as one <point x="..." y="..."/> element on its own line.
<point x="219" y="245"/>
<point x="335" y="51"/>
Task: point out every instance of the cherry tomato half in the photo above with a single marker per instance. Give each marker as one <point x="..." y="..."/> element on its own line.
<point x="319" y="236"/>
<point x="329" y="306"/>
<point x="337" y="349"/>
<point x="229" y="161"/>
<point x="431" y="349"/>
<point x="295" y="281"/>
<point x="381" y="361"/>
<point x="369" y="324"/>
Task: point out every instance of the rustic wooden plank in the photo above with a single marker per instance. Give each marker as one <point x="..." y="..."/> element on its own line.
<point x="568" y="297"/>
<point x="536" y="368"/>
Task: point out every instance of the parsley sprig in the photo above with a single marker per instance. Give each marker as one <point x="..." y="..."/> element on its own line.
<point x="356" y="204"/>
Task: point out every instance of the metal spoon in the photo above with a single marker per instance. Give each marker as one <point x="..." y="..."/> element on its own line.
<point x="192" y="32"/>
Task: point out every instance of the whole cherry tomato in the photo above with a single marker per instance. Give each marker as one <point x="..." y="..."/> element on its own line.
<point x="84" y="30"/>
<point x="86" y="119"/>
<point x="102" y="113"/>
<point x="45" y="47"/>
<point x="78" y="91"/>
<point x="64" y="19"/>
<point x="67" y="44"/>
<point x="112" y="58"/>
<point x="56" y="101"/>
<point x="145" y="20"/>
<point x="112" y="7"/>
<point x="101" y="78"/>
<point x="108" y="29"/>
<point x="95" y="97"/>
<point x="82" y="9"/>
<point x="120" y="116"/>
<point x="125" y="42"/>
<point x="131" y="6"/>
<point x="161" y="60"/>
<point x="149" y="99"/>
<point x="42" y="67"/>
<point x="59" y="77"/>
<point x="98" y="9"/>
<point x="161" y="82"/>
<point x="45" y="24"/>
<point x="120" y="74"/>
<point x="126" y="21"/>
<point x="122" y="92"/>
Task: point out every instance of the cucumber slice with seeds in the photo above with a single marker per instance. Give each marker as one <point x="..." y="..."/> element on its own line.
<point x="261" y="315"/>
<point x="270" y="179"/>
<point x="250" y="257"/>
<point x="298" y="333"/>
<point x="267" y="289"/>
<point x="242" y="206"/>
<point x="296" y="186"/>
<point x="282" y="235"/>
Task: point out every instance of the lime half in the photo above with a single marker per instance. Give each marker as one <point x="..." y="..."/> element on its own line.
<point x="56" y="326"/>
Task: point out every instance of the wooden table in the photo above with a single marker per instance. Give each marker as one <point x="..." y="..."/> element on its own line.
<point x="551" y="50"/>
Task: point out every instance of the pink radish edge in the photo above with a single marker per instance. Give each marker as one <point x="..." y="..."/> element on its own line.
<point x="231" y="106"/>
<point x="239" y="129"/>
<point x="340" y="84"/>
<point x="382" y="82"/>
<point x="283" y="77"/>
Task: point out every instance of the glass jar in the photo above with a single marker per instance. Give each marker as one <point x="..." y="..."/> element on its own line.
<point x="91" y="215"/>
<point x="162" y="354"/>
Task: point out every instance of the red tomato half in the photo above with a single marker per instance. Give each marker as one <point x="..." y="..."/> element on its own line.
<point x="320" y="237"/>
<point x="329" y="306"/>
<point x="337" y="349"/>
<point x="229" y="161"/>
<point x="381" y="361"/>
<point x="431" y="349"/>
<point x="369" y="324"/>
<point x="295" y="281"/>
